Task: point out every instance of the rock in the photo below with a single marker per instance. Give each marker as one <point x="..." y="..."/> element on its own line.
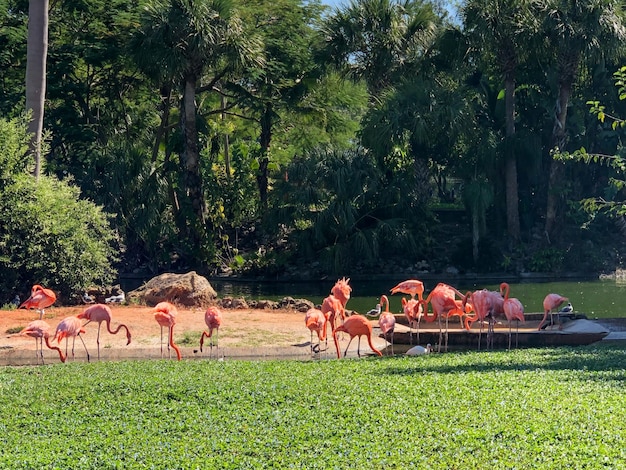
<point x="189" y="290"/>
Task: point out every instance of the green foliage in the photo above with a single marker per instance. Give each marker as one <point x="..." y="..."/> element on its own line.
<point x="52" y="237"/>
<point x="13" y="147"/>
<point x="48" y="235"/>
<point x="547" y="260"/>
<point x="337" y="209"/>
<point x="321" y="414"/>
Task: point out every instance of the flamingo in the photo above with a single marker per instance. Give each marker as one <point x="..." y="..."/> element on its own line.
<point x="443" y="301"/>
<point x="413" y="312"/>
<point x="341" y="290"/>
<point x="355" y="325"/>
<point x="315" y="321"/>
<point x="332" y="309"/>
<point x="165" y="315"/>
<point x="40" y="298"/>
<point x="213" y="320"/>
<point x="486" y="305"/>
<point x="411" y="287"/>
<point x="386" y="320"/>
<point x="419" y="350"/>
<point x="551" y="302"/>
<point x="513" y="310"/>
<point x="70" y="326"/>
<point x="40" y="330"/>
<point x="102" y="313"/>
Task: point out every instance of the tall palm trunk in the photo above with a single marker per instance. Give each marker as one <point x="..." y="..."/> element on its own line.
<point x="190" y="161"/>
<point x="36" y="56"/>
<point x="264" y="159"/>
<point x="558" y="143"/>
<point x="510" y="170"/>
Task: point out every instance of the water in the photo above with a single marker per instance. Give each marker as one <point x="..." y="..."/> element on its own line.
<point x="596" y="299"/>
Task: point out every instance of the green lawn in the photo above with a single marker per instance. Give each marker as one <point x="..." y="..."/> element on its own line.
<point x="540" y="408"/>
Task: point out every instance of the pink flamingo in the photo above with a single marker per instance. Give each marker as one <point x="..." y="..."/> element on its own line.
<point x="411" y="287"/>
<point x="513" y="310"/>
<point x="355" y="325"/>
<point x="213" y="320"/>
<point x="40" y="298"/>
<point x="333" y="309"/>
<point x="487" y="304"/>
<point x="315" y="321"/>
<point x="165" y="315"/>
<point x="443" y="301"/>
<point x="102" y="313"/>
<point x="413" y="313"/>
<point x="40" y="330"/>
<point x="341" y="290"/>
<point x="334" y="306"/>
<point x="551" y="302"/>
<point x="387" y="320"/>
<point x="70" y="326"/>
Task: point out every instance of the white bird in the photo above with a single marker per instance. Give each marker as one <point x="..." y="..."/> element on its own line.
<point x="118" y="299"/>
<point x="88" y="299"/>
<point x="375" y="311"/>
<point x="419" y="350"/>
<point x="567" y="309"/>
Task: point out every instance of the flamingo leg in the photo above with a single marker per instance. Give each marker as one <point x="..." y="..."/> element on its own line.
<point x="446" y="334"/>
<point x="41" y="349"/>
<point x="169" y="340"/>
<point x="418" y="330"/>
<point x="358" y="346"/>
<point x="98" y="340"/>
<point x="346" y="351"/>
<point x="509" y="335"/>
<point x="84" y="346"/>
<point x="161" y="342"/>
<point x="440" y="334"/>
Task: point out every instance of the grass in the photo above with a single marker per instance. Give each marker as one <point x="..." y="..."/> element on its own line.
<point x="539" y="408"/>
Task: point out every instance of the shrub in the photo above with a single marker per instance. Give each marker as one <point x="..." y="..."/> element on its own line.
<point x="48" y="235"/>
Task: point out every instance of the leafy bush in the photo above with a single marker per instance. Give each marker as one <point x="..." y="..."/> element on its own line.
<point x="48" y="235"/>
<point x="547" y="260"/>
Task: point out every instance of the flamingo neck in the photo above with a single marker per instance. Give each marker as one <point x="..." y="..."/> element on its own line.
<point x="61" y="355"/>
<point x="174" y="347"/>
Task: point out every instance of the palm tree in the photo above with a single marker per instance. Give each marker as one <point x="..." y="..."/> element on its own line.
<point x="193" y="44"/>
<point x="501" y="29"/>
<point x="375" y="39"/>
<point x="36" y="56"/>
<point x="575" y="27"/>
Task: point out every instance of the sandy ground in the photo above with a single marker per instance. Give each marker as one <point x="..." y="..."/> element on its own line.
<point x="244" y="334"/>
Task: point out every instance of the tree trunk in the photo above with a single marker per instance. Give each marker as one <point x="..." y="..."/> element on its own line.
<point x="226" y="141"/>
<point x="36" y="55"/>
<point x="190" y="163"/>
<point x="510" y="170"/>
<point x="556" y="168"/>
<point x="264" y="159"/>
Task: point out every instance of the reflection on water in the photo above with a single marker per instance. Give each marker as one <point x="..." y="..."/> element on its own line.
<point x="601" y="299"/>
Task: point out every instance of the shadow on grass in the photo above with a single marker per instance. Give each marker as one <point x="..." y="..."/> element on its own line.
<point x="593" y="358"/>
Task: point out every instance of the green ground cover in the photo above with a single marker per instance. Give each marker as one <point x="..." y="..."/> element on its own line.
<point x="539" y="408"/>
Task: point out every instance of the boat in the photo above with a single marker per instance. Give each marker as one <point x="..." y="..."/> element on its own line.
<point x="571" y="330"/>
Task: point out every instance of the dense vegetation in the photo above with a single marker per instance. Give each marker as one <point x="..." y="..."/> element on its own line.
<point x="282" y="138"/>
<point x="541" y="408"/>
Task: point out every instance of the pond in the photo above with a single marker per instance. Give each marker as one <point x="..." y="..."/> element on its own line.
<point x="596" y="298"/>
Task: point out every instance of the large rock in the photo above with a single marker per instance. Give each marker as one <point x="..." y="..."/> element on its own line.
<point x="189" y="290"/>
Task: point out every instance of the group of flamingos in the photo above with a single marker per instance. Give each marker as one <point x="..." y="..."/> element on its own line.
<point x="72" y="326"/>
<point x="445" y="301"/>
<point x="486" y="307"/>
